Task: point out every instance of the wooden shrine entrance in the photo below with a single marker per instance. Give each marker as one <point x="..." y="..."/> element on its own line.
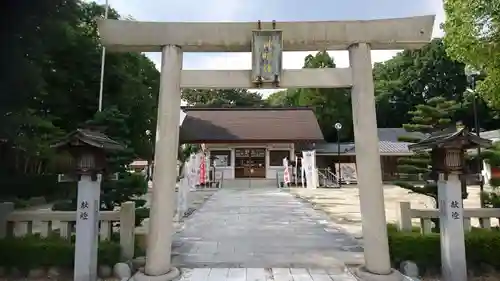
<point x="250" y="163"/>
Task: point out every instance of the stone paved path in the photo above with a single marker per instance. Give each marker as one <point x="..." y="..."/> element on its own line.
<point x="263" y="274"/>
<point x="262" y="228"/>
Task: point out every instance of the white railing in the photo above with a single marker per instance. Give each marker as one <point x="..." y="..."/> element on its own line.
<point x="487" y="217"/>
<point x="328" y="177"/>
<point x="21" y="223"/>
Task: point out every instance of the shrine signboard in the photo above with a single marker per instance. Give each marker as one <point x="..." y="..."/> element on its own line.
<point x="267" y="55"/>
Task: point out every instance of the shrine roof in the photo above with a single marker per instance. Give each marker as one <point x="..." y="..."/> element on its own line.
<point x="443" y="137"/>
<point x="246" y="124"/>
<point x="92" y="138"/>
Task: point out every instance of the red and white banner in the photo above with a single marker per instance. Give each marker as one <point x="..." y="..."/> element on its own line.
<point x="286" y="174"/>
<point x="203" y="170"/>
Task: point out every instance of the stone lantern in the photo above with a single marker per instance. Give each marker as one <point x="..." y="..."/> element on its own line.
<point x="88" y="161"/>
<point x="88" y="152"/>
<point x="447" y="149"/>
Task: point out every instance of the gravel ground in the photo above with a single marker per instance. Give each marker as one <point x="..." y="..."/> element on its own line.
<point x="342" y="204"/>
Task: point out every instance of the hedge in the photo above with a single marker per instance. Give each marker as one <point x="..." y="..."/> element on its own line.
<point x="30" y="252"/>
<point x="482" y="249"/>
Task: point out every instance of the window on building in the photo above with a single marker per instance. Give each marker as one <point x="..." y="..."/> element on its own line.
<point x="222" y="158"/>
<point x="276" y="157"/>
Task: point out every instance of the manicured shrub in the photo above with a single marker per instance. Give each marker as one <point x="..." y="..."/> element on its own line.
<point x="482" y="249"/>
<point x="29" y="252"/>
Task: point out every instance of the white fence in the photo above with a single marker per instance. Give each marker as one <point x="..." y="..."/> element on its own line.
<point x="486" y="217"/>
<point x="21" y="223"/>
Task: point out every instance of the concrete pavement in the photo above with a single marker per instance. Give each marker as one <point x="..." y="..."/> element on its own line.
<point x="262" y="228"/>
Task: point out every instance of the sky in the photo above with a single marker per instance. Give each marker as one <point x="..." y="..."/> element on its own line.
<point x="268" y="10"/>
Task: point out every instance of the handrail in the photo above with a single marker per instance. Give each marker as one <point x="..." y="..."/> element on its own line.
<point x="328" y="176"/>
<point x="323" y="176"/>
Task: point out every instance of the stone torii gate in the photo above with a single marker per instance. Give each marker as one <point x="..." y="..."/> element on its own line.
<point x="358" y="37"/>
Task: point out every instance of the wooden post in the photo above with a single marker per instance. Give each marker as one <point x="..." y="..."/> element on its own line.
<point x="127" y="229"/>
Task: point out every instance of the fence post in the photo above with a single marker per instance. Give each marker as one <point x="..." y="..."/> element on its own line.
<point x="5" y="209"/>
<point x="404" y="216"/>
<point x="127" y="230"/>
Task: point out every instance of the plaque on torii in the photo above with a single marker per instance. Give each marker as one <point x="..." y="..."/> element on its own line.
<point x="267" y="56"/>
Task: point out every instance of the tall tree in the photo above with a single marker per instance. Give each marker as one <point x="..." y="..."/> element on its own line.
<point x="52" y="80"/>
<point x="413" y="77"/>
<point x="222" y="97"/>
<point x="330" y="105"/>
<point x="49" y="86"/>
<point x="472" y="36"/>
<point x="281" y="98"/>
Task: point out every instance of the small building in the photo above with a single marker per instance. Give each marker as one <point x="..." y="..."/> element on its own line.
<point x="250" y="142"/>
<point x="391" y="149"/>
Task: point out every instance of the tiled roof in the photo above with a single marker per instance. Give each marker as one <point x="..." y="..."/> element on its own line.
<point x="394" y="147"/>
<point x="437" y="139"/>
<point x="393" y="134"/>
<point x="333" y="147"/>
<point x="350" y="148"/>
<point x="491" y="135"/>
<point x="249" y="124"/>
<point x="90" y="137"/>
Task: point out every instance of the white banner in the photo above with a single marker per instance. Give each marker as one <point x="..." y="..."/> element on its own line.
<point x="208" y="168"/>
<point x="309" y="164"/>
<point x="286" y="171"/>
<point x="302" y="171"/>
<point x="192" y="168"/>
<point x="199" y="158"/>
<point x="182" y="197"/>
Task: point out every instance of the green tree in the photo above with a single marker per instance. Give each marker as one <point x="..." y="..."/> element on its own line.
<point x="280" y="99"/>
<point x="51" y="86"/>
<point x="472" y="30"/>
<point x="413" y="77"/>
<point x="222" y="97"/>
<point x="426" y="118"/>
<point x="330" y="105"/>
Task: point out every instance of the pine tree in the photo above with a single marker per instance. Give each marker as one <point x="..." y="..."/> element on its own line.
<point x="433" y="116"/>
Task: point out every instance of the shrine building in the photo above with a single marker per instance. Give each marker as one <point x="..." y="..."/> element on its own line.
<point x="250" y="142"/>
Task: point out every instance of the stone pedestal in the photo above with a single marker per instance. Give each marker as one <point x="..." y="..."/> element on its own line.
<point x="453" y="261"/>
<point x="365" y="275"/>
<point x="87" y="221"/>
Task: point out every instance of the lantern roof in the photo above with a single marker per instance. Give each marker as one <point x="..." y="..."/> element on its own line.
<point x="451" y="138"/>
<point x="90" y="138"/>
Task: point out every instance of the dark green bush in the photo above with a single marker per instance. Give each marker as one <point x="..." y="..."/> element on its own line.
<point x="30" y="252"/>
<point x="482" y="249"/>
<point x="28" y="186"/>
<point x="495" y="182"/>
